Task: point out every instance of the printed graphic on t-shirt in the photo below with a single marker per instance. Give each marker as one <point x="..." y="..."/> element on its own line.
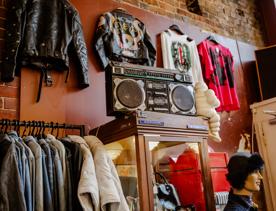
<point x="181" y="56"/>
<point x="222" y="71"/>
<point x="218" y="68"/>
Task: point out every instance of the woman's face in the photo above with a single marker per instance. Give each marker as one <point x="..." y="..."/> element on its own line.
<point x="253" y="181"/>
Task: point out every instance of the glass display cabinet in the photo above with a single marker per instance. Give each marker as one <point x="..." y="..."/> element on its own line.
<point x="152" y="149"/>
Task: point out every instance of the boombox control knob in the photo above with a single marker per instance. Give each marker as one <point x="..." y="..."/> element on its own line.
<point x="178" y="77"/>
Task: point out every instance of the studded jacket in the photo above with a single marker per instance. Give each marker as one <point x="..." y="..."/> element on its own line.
<point x="39" y="34"/>
<point x="124" y="38"/>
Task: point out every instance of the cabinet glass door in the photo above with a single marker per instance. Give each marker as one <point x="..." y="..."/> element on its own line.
<point x="177" y="175"/>
<point x="123" y="155"/>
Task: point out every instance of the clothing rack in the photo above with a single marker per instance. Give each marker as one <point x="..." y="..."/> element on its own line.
<point x="41" y="124"/>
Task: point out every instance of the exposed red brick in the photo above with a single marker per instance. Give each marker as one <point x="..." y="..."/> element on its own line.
<point x="224" y="12"/>
<point x="182" y="12"/>
<point x="15" y="83"/>
<point x="11" y="103"/>
<point x="152" y="2"/>
<point x="133" y="2"/>
<point x="8" y="114"/>
<point x="6" y="91"/>
<point x="168" y="7"/>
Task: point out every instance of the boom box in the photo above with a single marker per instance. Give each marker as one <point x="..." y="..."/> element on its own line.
<point x="134" y="87"/>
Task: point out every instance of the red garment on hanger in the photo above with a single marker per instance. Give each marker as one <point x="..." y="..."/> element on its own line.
<point x="218" y="72"/>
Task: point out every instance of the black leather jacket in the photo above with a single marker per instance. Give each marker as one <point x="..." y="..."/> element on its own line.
<point x="124" y="38"/>
<point x="39" y="33"/>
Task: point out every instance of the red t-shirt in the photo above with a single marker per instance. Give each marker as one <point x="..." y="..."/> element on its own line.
<point x="218" y="72"/>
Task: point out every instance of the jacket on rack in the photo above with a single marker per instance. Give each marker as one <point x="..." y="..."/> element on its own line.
<point x="62" y="181"/>
<point x="11" y="188"/>
<point x="24" y="167"/>
<point x="37" y="172"/>
<point x="39" y="34"/>
<point x="88" y="191"/>
<point x="111" y="193"/>
<point x="122" y="37"/>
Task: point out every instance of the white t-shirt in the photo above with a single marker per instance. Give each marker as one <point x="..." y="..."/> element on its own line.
<point x="180" y="54"/>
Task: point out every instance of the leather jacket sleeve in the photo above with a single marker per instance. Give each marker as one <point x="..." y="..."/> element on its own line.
<point x="102" y="34"/>
<point x="13" y="36"/>
<point x="81" y="51"/>
<point x="151" y="49"/>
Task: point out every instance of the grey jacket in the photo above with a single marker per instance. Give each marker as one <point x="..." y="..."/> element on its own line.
<point x="62" y="181"/>
<point x="11" y="188"/>
<point x="38" y="181"/>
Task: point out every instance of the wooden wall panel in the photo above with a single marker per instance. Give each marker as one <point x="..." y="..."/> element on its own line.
<point x="67" y="103"/>
<point x="268" y="10"/>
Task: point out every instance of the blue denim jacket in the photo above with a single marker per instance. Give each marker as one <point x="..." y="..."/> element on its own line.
<point x="239" y="203"/>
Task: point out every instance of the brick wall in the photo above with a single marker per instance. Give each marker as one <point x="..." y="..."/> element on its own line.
<point x="238" y="19"/>
<point x="9" y="92"/>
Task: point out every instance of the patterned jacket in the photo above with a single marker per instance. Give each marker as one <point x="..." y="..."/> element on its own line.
<point x="122" y="37"/>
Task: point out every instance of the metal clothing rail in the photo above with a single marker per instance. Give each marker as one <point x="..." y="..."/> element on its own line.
<point x="41" y="124"/>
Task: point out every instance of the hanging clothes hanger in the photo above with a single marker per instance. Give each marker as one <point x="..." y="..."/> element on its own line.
<point x="25" y="128"/>
<point x="212" y="39"/>
<point x="176" y="28"/>
<point x="57" y="136"/>
<point x="39" y="126"/>
<point x="7" y="125"/>
<point x="2" y="127"/>
<point x="34" y="128"/>
<point x="122" y="10"/>
<point x="52" y="127"/>
<point x="43" y="135"/>
<point x="17" y="127"/>
<point x="63" y="134"/>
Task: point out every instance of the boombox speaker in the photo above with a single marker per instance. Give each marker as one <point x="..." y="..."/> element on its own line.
<point x="135" y="87"/>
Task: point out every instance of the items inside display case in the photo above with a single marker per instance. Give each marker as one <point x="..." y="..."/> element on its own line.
<point x="123" y="155"/>
<point x="179" y="164"/>
<point x="162" y="162"/>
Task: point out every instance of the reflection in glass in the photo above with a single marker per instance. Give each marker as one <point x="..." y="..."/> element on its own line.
<point x="179" y="164"/>
<point x="123" y="155"/>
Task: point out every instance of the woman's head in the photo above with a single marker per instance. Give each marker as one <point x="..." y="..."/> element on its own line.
<point x="244" y="171"/>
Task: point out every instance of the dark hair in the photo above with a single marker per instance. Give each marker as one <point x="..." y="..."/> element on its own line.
<point x="240" y="166"/>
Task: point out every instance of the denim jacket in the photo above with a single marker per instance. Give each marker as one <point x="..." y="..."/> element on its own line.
<point x="239" y="203"/>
